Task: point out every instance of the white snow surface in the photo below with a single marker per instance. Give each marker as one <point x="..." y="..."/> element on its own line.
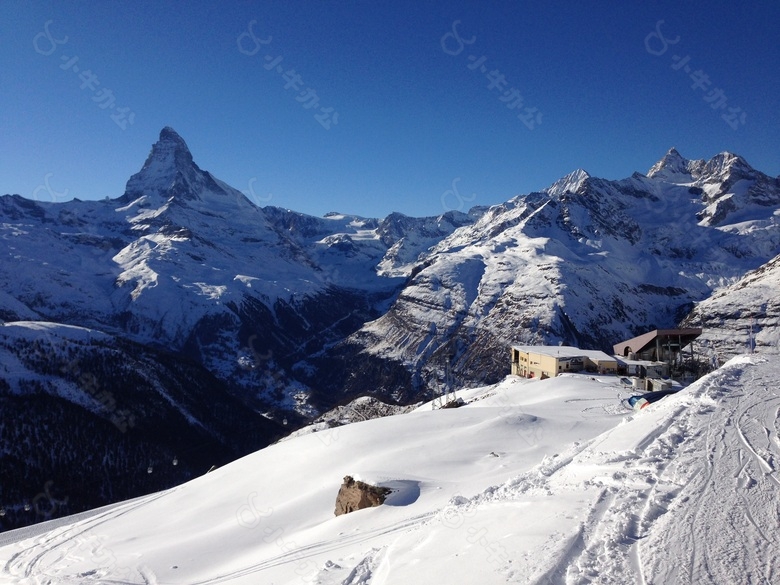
<point x="533" y="481"/>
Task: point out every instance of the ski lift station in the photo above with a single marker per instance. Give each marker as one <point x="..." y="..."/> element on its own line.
<point x="652" y="355"/>
<point x="661" y="345"/>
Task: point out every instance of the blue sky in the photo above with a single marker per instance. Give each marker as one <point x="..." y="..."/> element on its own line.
<point x="419" y="129"/>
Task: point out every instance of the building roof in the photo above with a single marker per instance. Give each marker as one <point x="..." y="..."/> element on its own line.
<point x="628" y="362"/>
<point x="565" y="351"/>
<point x="677" y="337"/>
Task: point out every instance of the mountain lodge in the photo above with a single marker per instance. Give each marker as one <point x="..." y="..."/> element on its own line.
<point x="547" y="361"/>
<point x="651" y="355"/>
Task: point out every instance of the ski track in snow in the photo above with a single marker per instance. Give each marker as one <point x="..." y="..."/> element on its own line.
<point x="685" y="492"/>
<point x="719" y="493"/>
<point x="48" y="554"/>
<point x="731" y="531"/>
<point x="304" y="552"/>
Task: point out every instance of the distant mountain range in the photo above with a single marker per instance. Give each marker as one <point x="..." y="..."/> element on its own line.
<point x="215" y="326"/>
<point x="586" y="262"/>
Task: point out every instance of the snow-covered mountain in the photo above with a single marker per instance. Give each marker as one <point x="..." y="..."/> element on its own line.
<point x="296" y="313"/>
<point x="183" y="261"/>
<point x="289" y="315"/>
<point x="199" y="302"/>
<point x="586" y="262"/>
<point x="533" y="481"/>
<point x="744" y="316"/>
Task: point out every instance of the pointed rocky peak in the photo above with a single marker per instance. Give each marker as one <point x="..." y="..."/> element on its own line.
<point x="570" y="183"/>
<point x="170" y="143"/>
<point x="727" y="164"/>
<point x="169" y="164"/>
<point x="672" y="164"/>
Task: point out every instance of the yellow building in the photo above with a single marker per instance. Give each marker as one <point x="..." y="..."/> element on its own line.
<point x="547" y="361"/>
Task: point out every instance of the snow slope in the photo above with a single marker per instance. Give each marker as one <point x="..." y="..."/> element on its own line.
<point x="532" y="482"/>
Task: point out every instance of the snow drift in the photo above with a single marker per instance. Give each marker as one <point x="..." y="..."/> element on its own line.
<point x="532" y="482"/>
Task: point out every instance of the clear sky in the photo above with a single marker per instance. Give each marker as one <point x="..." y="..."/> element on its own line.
<point x="418" y="121"/>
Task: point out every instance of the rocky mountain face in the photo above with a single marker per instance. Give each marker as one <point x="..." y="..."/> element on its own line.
<point x="742" y="317"/>
<point x="191" y="295"/>
<point x="208" y="310"/>
<point x="586" y="262"/>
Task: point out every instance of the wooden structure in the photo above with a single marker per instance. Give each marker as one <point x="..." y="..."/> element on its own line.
<point x="661" y="345"/>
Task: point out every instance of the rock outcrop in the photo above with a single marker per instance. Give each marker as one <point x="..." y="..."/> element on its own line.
<point x="356" y="495"/>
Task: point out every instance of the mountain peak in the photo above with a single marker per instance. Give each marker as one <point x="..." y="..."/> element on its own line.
<point x="569" y="183"/>
<point x="727" y="162"/>
<point x="671" y="164"/>
<point x="170" y="151"/>
<point x="170" y="159"/>
<point x="169" y="136"/>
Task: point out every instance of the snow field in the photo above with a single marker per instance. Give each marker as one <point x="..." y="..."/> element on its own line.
<point x="533" y="481"/>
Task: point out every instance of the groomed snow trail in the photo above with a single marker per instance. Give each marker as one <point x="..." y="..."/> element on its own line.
<point x="684" y="492"/>
<point x="695" y="500"/>
<point x="723" y="526"/>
